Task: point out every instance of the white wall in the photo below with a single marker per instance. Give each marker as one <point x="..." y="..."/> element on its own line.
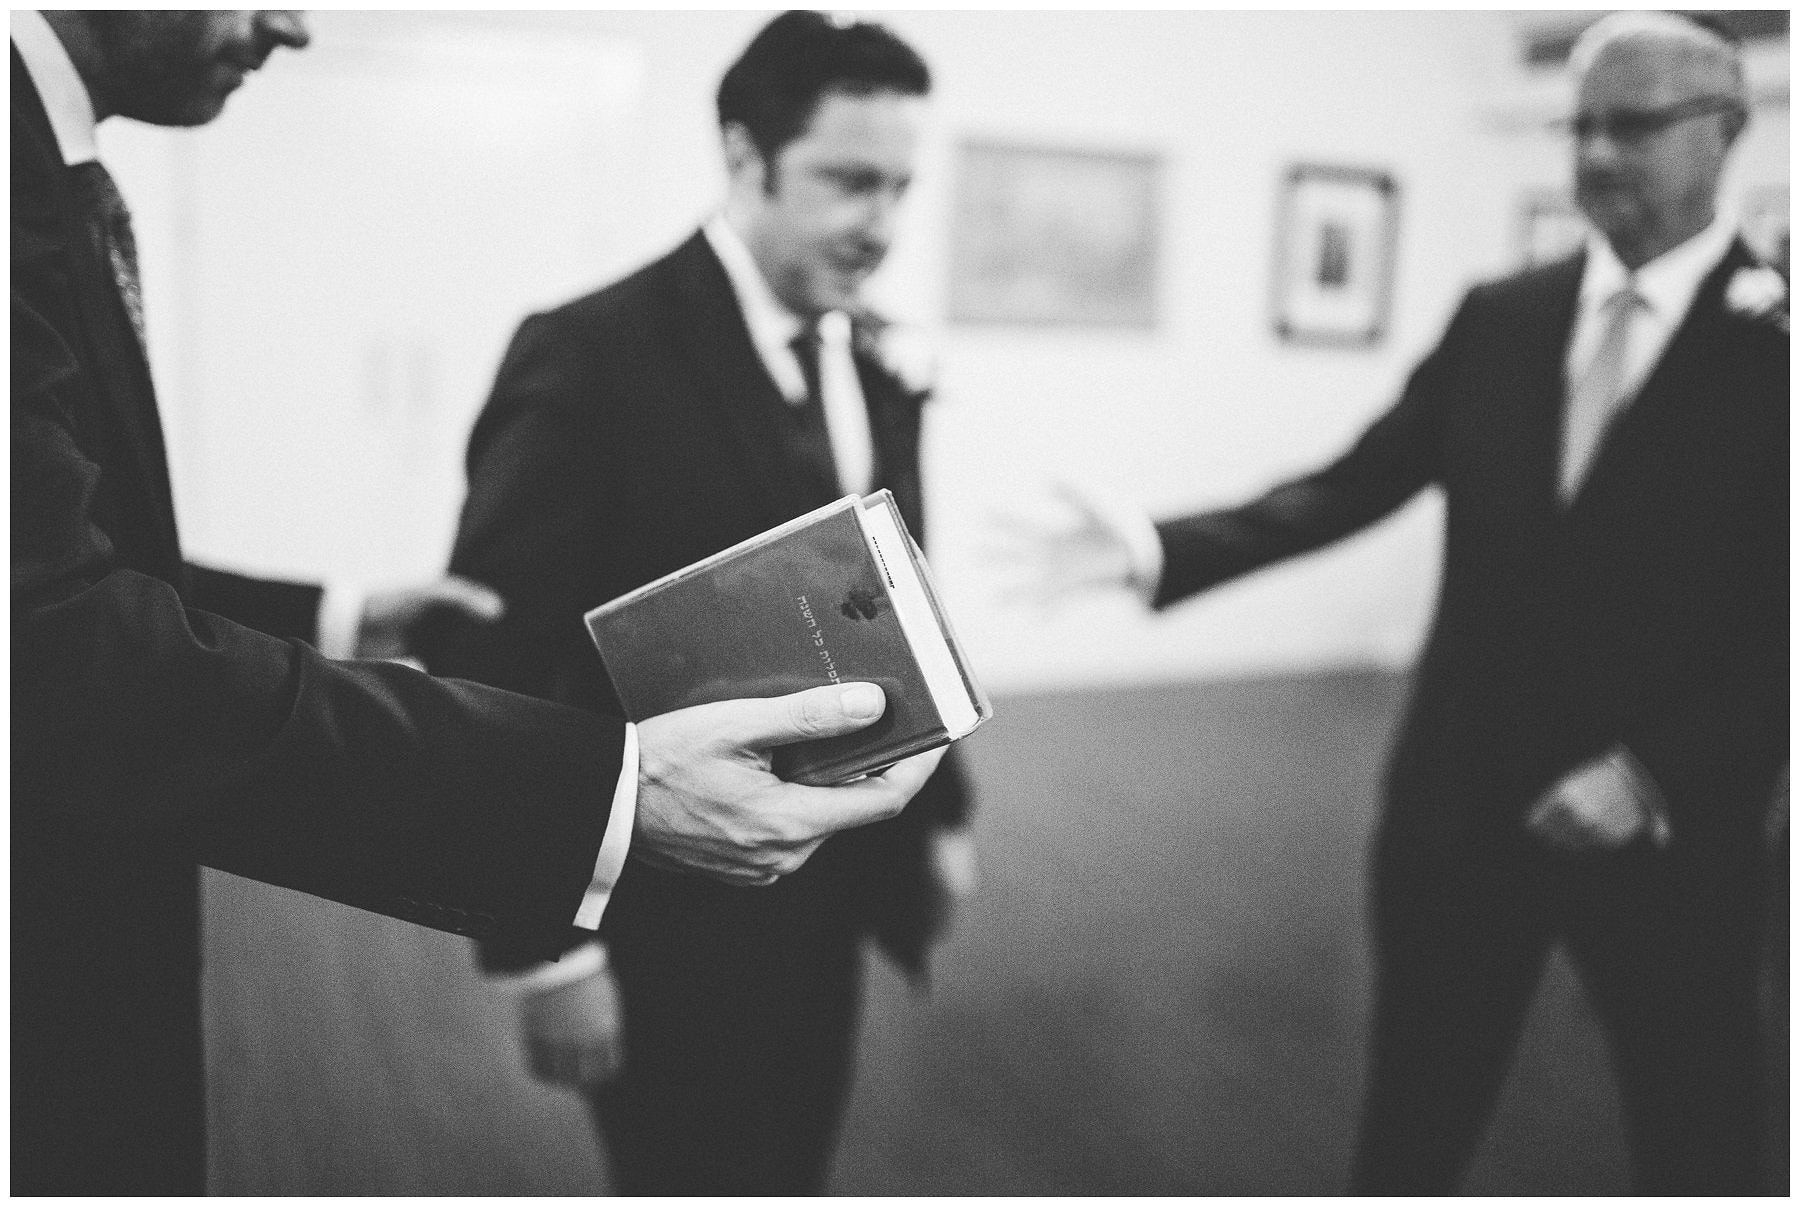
<point x="334" y="266"/>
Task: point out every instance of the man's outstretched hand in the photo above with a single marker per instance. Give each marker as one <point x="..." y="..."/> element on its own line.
<point x="1049" y="561"/>
<point x="709" y="802"/>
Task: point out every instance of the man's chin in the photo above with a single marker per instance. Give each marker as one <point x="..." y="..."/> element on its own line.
<point x="196" y="110"/>
<point x="843" y="289"/>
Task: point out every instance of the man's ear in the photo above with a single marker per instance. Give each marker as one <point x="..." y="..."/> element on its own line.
<point x="743" y="161"/>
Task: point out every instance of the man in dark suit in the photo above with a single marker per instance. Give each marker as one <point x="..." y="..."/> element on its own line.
<point x="165" y="716"/>
<point x="725" y="388"/>
<point x="1601" y="710"/>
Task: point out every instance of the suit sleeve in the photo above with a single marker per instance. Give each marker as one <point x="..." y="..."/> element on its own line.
<point x="283" y="609"/>
<point x="531" y="528"/>
<point x="534" y="526"/>
<point x="138" y="719"/>
<point x="1394" y="459"/>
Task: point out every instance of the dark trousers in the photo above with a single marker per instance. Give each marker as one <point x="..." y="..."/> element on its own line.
<point x="1667" y="952"/>
<point x="739" y="1045"/>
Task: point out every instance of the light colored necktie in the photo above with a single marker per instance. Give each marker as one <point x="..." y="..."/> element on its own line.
<point x="846" y="412"/>
<point x="833" y="412"/>
<point x="109" y="225"/>
<point x="1597" y="396"/>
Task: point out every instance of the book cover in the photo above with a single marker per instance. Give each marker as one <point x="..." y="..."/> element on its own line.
<point x="810" y="603"/>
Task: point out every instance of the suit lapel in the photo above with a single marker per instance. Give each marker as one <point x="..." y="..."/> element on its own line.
<point x="750" y="405"/>
<point x="118" y="376"/>
<point x="1669" y="385"/>
<point x="741" y="390"/>
<point x="1541" y="327"/>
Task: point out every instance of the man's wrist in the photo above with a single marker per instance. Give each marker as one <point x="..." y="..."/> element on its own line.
<point x="1143" y="547"/>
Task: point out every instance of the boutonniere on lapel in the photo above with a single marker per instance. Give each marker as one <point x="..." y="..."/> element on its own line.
<point x="904" y="352"/>
<point x="1758" y="294"/>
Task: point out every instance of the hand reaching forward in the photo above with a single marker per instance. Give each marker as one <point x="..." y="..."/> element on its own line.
<point x="708" y="801"/>
<point x="394" y="623"/>
<point x="1050" y="561"/>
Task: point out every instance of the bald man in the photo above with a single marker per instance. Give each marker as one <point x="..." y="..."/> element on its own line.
<point x="1601" y="711"/>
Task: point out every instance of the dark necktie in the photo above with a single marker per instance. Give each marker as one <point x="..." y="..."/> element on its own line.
<point x="808" y="439"/>
<point x="109" y="226"/>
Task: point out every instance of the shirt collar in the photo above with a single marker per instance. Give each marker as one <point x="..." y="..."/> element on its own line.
<point x="65" y="97"/>
<point x="1669" y="282"/>
<point x="770" y="323"/>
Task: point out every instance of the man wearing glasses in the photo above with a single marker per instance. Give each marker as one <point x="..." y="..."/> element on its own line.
<point x="1601" y="713"/>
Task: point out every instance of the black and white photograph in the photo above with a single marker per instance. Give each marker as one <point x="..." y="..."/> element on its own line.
<point x="900" y="603"/>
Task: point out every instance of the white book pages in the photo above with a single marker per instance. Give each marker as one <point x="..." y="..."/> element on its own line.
<point x="919" y="621"/>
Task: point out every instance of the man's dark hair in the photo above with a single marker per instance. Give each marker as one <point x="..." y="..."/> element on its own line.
<point x="800" y="56"/>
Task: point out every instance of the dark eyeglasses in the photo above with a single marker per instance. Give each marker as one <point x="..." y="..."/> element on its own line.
<point x="1637" y="125"/>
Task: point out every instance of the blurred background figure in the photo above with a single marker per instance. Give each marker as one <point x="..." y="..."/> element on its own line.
<point x="1601" y="711"/>
<point x="1169" y="941"/>
<point x="733" y="384"/>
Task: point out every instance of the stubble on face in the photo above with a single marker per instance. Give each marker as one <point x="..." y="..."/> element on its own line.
<point x="822" y="222"/>
<point x="177" y="68"/>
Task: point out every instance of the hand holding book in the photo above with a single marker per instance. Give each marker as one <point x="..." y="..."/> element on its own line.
<point x="709" y="800"/>
<point x="838" y="595"/>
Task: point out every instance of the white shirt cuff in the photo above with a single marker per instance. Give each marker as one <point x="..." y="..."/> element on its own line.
<point x="576" y="964"/>
<point x="340" y="619"/>
<point x="611" y="860"/>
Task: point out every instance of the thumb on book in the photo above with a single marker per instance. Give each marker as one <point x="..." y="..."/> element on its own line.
<point x="782" y="720"/>
<point x="818" y="712"/>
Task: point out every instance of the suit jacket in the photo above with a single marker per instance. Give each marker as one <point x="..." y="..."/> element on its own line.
<point x="630" y="433"/>
<point x="151" y="734"/>
<point x="1651" y="611"/>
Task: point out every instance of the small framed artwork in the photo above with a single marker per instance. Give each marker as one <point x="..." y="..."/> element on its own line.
<point x="1765" y="223"/>
<point x="1550" y="227"/>
<point x="1334" y="255"/>
<point x="1054" y="236"/>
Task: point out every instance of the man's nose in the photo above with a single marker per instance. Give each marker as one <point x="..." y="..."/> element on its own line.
<point x="284" y="27"/>
<point x="877" y="227"/>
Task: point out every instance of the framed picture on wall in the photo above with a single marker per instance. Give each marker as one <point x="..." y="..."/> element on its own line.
<point x="1054" y="236"/>
<point x="1334" y="255"/>
<point x="1765" y="223"/>
<point x="1549" y="227"/>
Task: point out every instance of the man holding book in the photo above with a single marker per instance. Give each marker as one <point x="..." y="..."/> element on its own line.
<point x="166" y="716"/>
<point x="719" y="392"/>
